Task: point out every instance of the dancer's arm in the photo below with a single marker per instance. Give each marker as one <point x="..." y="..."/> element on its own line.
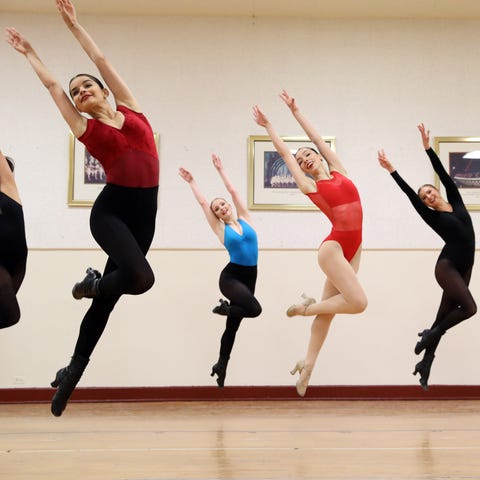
<point x="119" y="89"/>
<point x="327" y="153"/>
<point x="453" y="195"/>
<point x="240" y="206"/>
<point x="215" y="224"/>
<point x="7" y="181"/>
<point x="76" y="122"/>
<point x="415" y="200"/>
<point x="304" y="183"/>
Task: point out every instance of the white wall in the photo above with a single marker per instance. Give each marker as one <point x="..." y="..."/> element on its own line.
<point x="368" y="83"/>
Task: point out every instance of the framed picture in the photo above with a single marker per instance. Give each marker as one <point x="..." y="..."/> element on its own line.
<point x="270" y="184"/>
<point x="461" y="158"/>
<point x="86" y="177"/>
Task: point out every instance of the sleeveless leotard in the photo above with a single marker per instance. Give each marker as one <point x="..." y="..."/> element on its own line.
<point x="339" y="200"/>
<point x="243" y="249"/>
<point x="128" y="155"/>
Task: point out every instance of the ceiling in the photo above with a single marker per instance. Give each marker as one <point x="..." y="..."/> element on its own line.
<point x="451" y="9"/>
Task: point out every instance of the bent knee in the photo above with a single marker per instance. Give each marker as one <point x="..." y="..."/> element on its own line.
<point x="359" y="304"/>
<point x="9" y="321"/>
<point x="142" y="282"/>
<point x="471" y="310"/>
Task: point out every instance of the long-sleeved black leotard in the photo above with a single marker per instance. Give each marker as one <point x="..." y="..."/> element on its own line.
<point x="454" y="265"/>
<point x="455" y="227"/>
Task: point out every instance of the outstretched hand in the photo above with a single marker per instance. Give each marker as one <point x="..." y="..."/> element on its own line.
<point x="17" y="41"/>
<point x="185" y="174"/>
<point x="67" y="10"/>
<point x="217" y="163"/>
<point x="425" y="136"/>
<point x="259" y="117"/>
<point x="384" y="162"/>
<point x="289" y="101"/>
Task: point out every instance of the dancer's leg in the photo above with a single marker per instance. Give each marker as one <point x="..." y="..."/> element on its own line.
<point x="342" y="274"/>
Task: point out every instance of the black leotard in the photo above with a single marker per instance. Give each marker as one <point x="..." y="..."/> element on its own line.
<point x="455" y="227"/>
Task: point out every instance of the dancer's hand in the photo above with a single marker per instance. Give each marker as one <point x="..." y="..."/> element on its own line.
<point x="259" y="117"/>
<point x="289" y="101"/>
<point x="17" y="41"/>
<point x="67" y="10"/>
<point x="425" y="136"/>
<point x="384" y="162"/>
<point x="186" y="175"/>
<point x="217" y="163"/>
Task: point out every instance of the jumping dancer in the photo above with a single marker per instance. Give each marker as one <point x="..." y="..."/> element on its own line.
<point x="451" y="221"/>
<point x="238" y="278"/>
<point x="122" y="219"/>
<point x="339" y="254"/>
<point x="13" y="245"/>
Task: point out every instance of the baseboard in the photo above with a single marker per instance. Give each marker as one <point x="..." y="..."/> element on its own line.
<point x="161" y="394"/>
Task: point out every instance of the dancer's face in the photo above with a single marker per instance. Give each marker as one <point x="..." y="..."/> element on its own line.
<point x="86" y="93"/>
<point x="430" y="196"/>
<point x="221" y="208"/>
<point x="308" y="160"/>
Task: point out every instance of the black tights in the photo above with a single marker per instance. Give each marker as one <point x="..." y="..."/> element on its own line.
<point x="9" y="286"/>
<point x="237" y="283"/>
<point x="13" y="259"/>
<point x="123" y="223"/>
<point x="457" y="303"/>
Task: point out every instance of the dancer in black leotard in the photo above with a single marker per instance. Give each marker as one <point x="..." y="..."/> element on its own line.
<point x="13" y="245"/>
<point x="238" y="278"/>
<point x="451" y="220"/>
<point x="123" y="216"/>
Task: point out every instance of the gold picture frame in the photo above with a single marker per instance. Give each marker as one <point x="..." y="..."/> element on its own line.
<point x="460" y="157"/>
<point x="86" y="177"/>
<point x="270" y="184"/>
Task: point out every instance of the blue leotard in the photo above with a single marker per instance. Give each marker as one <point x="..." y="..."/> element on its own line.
<point x="243" y="249"/>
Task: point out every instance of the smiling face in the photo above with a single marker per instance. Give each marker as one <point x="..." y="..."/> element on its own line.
<point x="308" y="159"/>
<point x="86" y="92"/>
<point x="430" y="196"/>
<point x="221" y="208"/>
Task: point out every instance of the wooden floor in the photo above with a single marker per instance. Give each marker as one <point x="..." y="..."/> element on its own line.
<point x="242" y="440"/>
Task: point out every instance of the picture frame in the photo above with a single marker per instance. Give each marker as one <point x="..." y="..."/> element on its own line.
<point x="270" y="184"/>
<point x="86" y="177"/>
<point x="460" y="157"/>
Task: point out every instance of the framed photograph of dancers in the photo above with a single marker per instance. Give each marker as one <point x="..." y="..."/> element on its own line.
<point x="460" y="157"/>
<point x="270" y="184"/>
<point x="86" y="177"/>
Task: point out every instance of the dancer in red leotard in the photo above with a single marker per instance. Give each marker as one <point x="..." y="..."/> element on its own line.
<point x="122" y="219"/>
<point x="339" y="253"/>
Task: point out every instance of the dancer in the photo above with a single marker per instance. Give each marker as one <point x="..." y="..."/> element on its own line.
<point x="451" y="220"/>
<point x="122" y="219"/>
<point x="238" y="278"/>
<point x="13" y="245"/>
<point x="339" y="254"/>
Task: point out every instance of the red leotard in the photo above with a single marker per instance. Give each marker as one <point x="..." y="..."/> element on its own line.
<point x="128" y="155"/>
<point x="338" y="199"/>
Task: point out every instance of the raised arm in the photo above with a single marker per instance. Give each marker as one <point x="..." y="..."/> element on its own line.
<point x="327" y="153"/>
<point x="451" y="189"/>
<point x="76" y="122"/>
<point x="304" y="183"/>
<point x="415" y="200"/>
<point x="215" y="224"/>
<point x="240" y="206"/>
<point x="118" y="87"/>
<point x="7" y="181"/>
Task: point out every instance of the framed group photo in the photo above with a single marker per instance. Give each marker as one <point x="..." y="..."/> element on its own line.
<point x="86" y="177"/>
<point x="270" y="184"/>
<point x="460" y="157"/>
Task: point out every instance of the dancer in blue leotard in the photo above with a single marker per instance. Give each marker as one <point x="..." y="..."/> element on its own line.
<point x="238" y="278"/>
